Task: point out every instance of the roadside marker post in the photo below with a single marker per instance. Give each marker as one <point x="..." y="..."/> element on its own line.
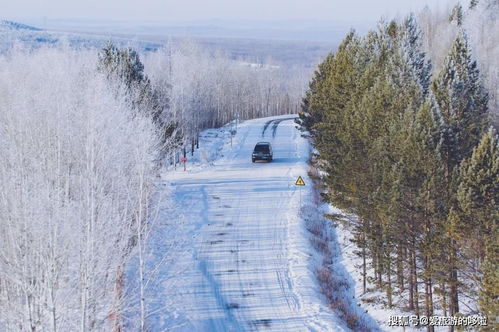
<point x="300" y="183"/>
<point x="184" y="160"/>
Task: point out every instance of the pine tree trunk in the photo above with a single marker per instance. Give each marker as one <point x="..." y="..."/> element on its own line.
<point x="428" y="268"/>
<point x="430" y="292"/>
<point x="364" y="270"/>
<point x="454" y="298"/>
<point x="380" y="269"/>
<point x="444" y="298"/>
<point x="400" y="269"/>
<point x="411" y="283"/>
<point x="374" y="265"/>
<point x="364" y="263"/>
<point x="415" y="279"/>
<point x="389" y="282"/>
<point x="428" y="301"/>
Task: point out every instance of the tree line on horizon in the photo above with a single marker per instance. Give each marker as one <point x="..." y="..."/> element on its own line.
<point x="414" y="156"/>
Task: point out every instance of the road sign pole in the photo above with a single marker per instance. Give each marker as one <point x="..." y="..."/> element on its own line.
<point x="300" y="183"/>
<point x="300" y="197"/>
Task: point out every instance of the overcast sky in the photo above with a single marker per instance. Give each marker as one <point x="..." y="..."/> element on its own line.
<point x="183" y="10"/>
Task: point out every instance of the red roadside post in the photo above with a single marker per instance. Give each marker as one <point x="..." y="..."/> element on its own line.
<point x="184" y="160"/>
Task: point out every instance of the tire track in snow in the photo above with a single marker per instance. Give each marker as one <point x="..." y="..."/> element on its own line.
<point x="265" y="126"/>
<point x="275" y="123"/>
<point x="245" y="273"/>
<point x="232" y="323"/>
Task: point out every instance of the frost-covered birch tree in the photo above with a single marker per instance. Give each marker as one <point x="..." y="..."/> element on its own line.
<point x="209" y="89"/>
<point x="76" y="170"/>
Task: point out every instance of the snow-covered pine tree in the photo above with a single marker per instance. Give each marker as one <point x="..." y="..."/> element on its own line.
<point x="119" y="63"/>
<point x="412" y="46"/>
<point x="462" y="100"/>
<point x="478" y="197"/>
<point x="457" y="15"/>
<point x="311" y="113"/>
<point x="125" y="71"/>
<point x="391" y="146"/>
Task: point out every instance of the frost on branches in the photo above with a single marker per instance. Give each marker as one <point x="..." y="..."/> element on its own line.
<point x="76" y="169"/>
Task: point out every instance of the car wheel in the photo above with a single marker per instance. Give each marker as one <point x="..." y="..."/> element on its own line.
<point x="253" y="160"/>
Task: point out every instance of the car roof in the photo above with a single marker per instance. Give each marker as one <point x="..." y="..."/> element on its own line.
<point x="263" y="143"/>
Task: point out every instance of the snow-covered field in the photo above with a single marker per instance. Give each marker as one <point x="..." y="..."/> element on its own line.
<point x="244" y="261"/>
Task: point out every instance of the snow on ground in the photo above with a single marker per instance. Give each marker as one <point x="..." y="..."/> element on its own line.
<point x="351" y="264"/>
<point x="336" y="283"/>
<point x="374" y="301"/>
<point x="243" y="260"/>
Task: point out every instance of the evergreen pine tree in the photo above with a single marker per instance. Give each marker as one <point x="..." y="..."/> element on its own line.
<point x="312" y="109"/>
<point x="124" y="69"/>
<point x="457" y="15"/>
<point x="334" y="94"/>
<point x="462" y="101"/>
<point x="124" y="64"/>
<point x="478" y="197"/>
<point x="391" y="146"/>
<point x="412" y="47"/>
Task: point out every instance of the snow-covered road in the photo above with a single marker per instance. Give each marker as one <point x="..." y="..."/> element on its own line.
<point x="245" y="264"/>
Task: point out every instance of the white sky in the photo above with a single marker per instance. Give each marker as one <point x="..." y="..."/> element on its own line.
<point x="182" y="10"/>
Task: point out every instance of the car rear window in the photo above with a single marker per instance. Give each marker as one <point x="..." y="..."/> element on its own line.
<point x="262" y="148"/>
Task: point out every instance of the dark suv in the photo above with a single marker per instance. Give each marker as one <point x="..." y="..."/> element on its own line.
<point x="262" y="151"/>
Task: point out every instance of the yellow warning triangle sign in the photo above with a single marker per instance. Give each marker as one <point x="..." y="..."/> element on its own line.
<point x="299" y="182"/>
